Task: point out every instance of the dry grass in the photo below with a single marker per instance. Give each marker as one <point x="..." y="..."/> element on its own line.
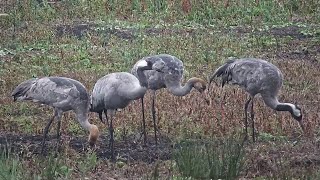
<point x="122" y="37"/>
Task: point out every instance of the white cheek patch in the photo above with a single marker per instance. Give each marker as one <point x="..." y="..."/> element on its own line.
<point x="142" y="63"/>
<point x="296" y="111"/>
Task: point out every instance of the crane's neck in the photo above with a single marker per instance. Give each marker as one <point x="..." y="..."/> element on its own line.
<point x="176" y="89"/>
<point x="142" y="77"/>
<point x="136" y="92"/>
<point x="273" y="103"/>
<point x="82" y="118"/>
<point x="289" y="107"/>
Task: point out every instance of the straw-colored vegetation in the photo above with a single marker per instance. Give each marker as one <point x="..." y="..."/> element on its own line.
<point x="85" y="40"/>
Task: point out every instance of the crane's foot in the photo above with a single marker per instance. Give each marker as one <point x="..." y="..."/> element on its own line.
<point x="42" y="150"/>
<point x="245" y="137"/>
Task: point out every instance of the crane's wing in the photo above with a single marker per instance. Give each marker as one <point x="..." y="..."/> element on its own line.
<point x="21" y="90"/>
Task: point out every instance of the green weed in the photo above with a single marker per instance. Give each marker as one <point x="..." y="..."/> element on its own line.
<point x="210" y="160"/>
<point x="10" y="166"/>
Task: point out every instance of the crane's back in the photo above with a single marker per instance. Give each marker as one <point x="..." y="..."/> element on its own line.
<point x="110" y="91"/>
<point x="61" y="92"/>
<point x="256" y="75"/>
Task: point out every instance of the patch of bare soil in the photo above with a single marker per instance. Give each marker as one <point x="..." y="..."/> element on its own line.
<point x="79" y="30"/>
<point x="128" y="149"/>
<point x="264" y="158"/>
<point x="275" y="158"/>
<point x="290" y="30"/>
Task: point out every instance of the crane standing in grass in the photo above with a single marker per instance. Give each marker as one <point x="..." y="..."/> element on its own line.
<point x="115" y="91"/>
<point x="257" y="76"/>
<point x="167" y="73"/>
<point x="63" y="94"/>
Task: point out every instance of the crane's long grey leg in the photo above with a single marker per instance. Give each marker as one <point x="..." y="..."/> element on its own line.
<point x="252" y="120"/>
<point x="111" y="141"/>
<point x="106" y="114"/>
<point x="246" y="116"/>
<point x="143" y="122"/>
<point x="154" y="116"/>
<point x="100" y="116"/>
<point x="59" y="116"/>
<point x="46" y="129"/>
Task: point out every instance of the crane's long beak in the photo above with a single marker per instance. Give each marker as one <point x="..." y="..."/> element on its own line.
<point x="210" y="79"/>
<point x="204" y="96"/>
<point x="206" y="99"/>
<point x="302" y="126"/>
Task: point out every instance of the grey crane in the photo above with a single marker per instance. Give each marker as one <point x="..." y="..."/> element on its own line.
<point x="63" y="94"/>
<point x="115" y="91"/>
<point x="167" y="73"/>
<point x="256" y="76"/>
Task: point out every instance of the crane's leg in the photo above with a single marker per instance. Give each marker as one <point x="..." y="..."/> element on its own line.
<point x="154" y="116"/>
<point x="46" y="129"/>
<point x="111" y="141"/>
<point x="246" y="116"/>
<point x="143" y="122"/>
<point x="100" y="116"/>
<point x="59" y="116"/>
<point x="252" y="120"/>
<point x="106" y="114"/>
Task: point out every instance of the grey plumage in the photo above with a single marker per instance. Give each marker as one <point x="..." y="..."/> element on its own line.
<point x="257" y="76"/>
<point x="116" y="91"/>
<point x="167" y="72"/>
<point x="61" y="93"/>
<point x="173" y="67"/>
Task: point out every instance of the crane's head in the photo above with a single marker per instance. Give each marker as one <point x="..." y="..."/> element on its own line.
<point x="200" y="85"/>
<point x="297" y="114"/>
<point x="144" y="64"/>
<point x="159" y="66"/>
<point x="94" y="134"/>
<point x="151" y="64"/>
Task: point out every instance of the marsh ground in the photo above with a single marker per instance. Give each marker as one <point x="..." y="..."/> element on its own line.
<point x="86" y="40"/>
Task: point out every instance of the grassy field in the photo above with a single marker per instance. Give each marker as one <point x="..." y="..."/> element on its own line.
<point x="85" y="40"/>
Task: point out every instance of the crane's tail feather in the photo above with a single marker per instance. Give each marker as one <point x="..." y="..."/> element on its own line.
<point x="222" y="70"/>
<point x="22" y="88"/>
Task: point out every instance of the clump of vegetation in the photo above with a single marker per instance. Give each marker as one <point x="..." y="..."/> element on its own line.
<point x="85" y="40"/>
<point x="10" y="166"/>
<point x="210" y="160"/>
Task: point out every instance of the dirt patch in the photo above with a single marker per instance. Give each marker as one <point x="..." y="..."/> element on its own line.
<point x="270" y="158"/>
<point x="79" y="30"/>
<point x="128" y="150"/>
<point x="291" y="31"/>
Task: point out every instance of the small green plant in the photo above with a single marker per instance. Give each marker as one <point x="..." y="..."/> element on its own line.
<point x="55" y="168"/>
<point x="10" y="166"/>
<point x="210" y="160"/>
<point x="88" y="163"/>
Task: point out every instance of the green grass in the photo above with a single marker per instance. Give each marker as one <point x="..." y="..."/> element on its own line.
<point x="210" y="160"/>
